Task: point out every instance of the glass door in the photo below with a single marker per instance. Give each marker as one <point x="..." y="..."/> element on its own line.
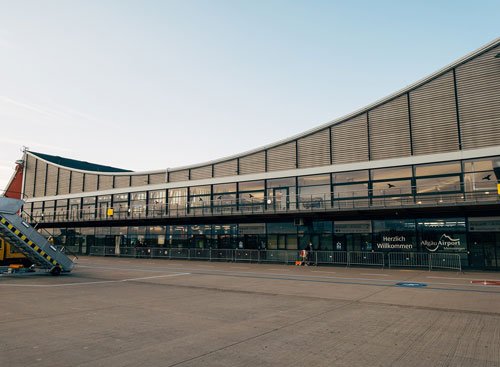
<point x="484" y="250"/>
<point x="281" y="199"/>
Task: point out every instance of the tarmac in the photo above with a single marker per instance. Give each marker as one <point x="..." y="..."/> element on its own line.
<point x="139" y="312"/>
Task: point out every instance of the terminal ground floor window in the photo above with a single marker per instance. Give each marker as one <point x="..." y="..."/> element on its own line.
<point x="475" y="239"/>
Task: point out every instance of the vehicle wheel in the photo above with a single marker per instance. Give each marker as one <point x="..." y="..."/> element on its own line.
<point x="56" y="270"/>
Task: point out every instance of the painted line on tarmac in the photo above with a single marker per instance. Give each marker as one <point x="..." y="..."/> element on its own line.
<point x="377" y="275"/>
<point x="91" y="283"/>
<point x="324" y="272"/>
<point x="298" y="277"/>
<point x="456" y="278"/>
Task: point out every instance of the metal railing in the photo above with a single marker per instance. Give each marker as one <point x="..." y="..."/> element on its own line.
<point x="365" y="258"/>
<point x="428" y="261"/>
<point x="425" y="260"/>
<point x="326" y="202"/>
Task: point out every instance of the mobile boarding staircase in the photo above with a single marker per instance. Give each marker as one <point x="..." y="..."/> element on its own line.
<point x="27" y="240"/>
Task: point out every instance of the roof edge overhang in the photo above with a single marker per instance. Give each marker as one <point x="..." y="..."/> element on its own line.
<point x="123" y="173"/>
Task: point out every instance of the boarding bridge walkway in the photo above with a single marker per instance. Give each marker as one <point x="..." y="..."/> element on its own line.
<point x="26" y="239"/>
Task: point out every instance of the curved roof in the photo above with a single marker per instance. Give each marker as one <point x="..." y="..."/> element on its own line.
<point x="79" y="165"/>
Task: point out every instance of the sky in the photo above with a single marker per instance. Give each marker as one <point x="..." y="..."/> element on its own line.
<point x="150" y="85"/>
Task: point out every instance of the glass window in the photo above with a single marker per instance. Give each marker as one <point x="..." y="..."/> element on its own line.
<point x="200" y="196"/>
<point x="157" y="197"/>
<point x="438" y="184"/>
<point x="314" y="196"/>
<point x="120" y="197"/>
<point x="256" y="197"/>
<point x="104" y="198"/>
<point x="223" y="188"/>
<point x="481" y="165"/>
<point x="283" y="227"/>
<point x="138" y="196"/>
<point x="437" y="169"/>
<point x="392" y="188"/>
<point x="347" y="177"/>
<point x="251" y="185"/>
<point x="177" y="196"/>
<point x="446" y="235"/>
<point x="388" y="173"/>
<point x="394" y="235"/>
<point x="89" y="200"/>
<point x="199" y="190"/>
<point x="281" y="182"/>
<point x="155" y="236"/>
<point x="480" y="181"/>
<point x="350" y="191"/>
<point x="314" y="180"/>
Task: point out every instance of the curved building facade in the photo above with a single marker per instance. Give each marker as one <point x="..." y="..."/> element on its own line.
<point x="416" y="172"/>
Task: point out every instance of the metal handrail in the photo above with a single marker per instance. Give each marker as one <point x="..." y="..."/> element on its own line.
<point x="296" y="203"/>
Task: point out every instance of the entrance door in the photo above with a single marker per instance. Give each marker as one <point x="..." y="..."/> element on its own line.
<point x="484" y="250"/>
<point x="281" y="199"/>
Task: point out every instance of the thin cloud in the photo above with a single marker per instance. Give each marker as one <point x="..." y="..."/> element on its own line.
<point x="29" y="107"/>
<point x="32" y="144"/>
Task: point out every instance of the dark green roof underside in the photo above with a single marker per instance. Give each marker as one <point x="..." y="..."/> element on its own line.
<point x="80" y="165"/>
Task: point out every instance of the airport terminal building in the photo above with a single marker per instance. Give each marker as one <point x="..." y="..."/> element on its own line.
<point x="417" y="172"/>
